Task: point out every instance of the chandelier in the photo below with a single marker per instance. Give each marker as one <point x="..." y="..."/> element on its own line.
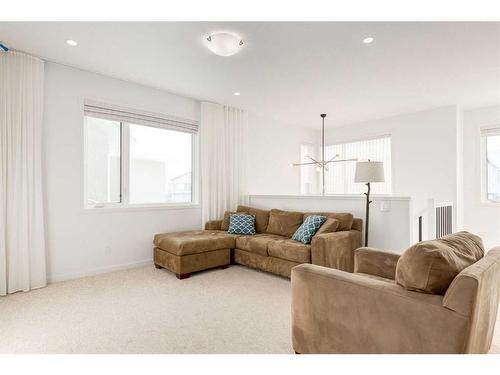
<point x="322" y="165"/>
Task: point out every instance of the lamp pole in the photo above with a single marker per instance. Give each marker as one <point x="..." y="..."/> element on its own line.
<point x="323" y="115"/>
<point x="367" y="222"/>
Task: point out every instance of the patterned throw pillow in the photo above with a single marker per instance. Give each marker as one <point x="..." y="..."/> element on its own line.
<point x="241" y="224"/>
<point x="308" y="229"/>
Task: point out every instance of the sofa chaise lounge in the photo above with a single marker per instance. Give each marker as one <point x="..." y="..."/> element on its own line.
<point x="271" y="249"/>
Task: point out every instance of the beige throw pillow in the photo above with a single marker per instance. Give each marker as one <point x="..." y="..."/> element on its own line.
<point x="431" y="266"/>
<point x="345" y="219"/>
<point x="329" y="226"/>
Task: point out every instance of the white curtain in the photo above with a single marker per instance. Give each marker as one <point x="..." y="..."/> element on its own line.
<point x="223" y="159"/>
<point x="22" y="242"/>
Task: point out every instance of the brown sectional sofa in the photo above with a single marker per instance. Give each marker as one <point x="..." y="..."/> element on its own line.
<point x="271" y="249"/>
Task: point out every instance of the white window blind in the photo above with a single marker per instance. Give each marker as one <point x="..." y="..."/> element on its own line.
<point x="115" y="113"/>
<point x="308" y="173"/>
<point x="490" y="140"/>
<point x="339" y="179"/>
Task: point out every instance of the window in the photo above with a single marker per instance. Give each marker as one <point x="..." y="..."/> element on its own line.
<point x="339" y="179"/>
<point x="160" y="165"/>
<point x="103" y="150"/>
<point x="491" y="164"/>
<point x="308" y="174"/>
<point x="131" y="162"/>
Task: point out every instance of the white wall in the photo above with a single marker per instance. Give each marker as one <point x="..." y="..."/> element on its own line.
<point x="389" y="230"/>
<point x="479" y="217"/>
<point x="272" y="146"/>
<point x="81" y="243"/>
<point x="424" y="165"/>
<point x="424" y="148"/>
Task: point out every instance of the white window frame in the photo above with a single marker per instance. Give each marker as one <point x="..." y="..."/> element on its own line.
<point x="483" y="149"/>
<point x="124" y="203"/>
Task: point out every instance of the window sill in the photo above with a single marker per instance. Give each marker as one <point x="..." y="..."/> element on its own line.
<point x="140" y="207"/>
<point x="490" y="204"/>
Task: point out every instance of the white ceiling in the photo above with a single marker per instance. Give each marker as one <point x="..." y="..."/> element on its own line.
<point x="290" y="71"/>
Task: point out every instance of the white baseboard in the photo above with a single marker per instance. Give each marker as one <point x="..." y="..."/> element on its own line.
<point x="97" y="271"/>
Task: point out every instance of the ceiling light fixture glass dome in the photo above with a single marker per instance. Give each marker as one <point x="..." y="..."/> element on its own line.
<point x="224" y="43"/>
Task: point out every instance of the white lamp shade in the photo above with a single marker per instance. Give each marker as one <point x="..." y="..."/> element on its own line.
<point x="369" y="171"/>
<point x="224" y="44"/>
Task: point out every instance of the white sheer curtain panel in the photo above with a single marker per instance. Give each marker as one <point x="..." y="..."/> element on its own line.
<point x="223" y="159"/>
<point x="22" y="242"/>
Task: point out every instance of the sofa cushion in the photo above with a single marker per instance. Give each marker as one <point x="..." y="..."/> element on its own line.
<point x="345" y="219"/>
<point x="194" y="241"/>
<point x="431" y="266"/>
<point x="225" y="221"/>
<point x="290" y="250"/>
<point x="261" y="217"/>
<point x="357" y="224"/>
<point x="241" y="224"/>
<point x="284" y="223"/>
<point x="308" y="229"/>
<point x="329" y="226"/>
<point x="258" y="243"/>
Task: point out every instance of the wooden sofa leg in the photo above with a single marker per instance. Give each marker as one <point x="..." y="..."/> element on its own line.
<point x="157" y="266"/>
<point x="182" y="276"/>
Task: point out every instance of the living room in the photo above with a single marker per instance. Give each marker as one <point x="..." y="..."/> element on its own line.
<point x="192" y="186"/>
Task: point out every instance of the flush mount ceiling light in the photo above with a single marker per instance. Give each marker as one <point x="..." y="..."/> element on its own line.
<point x="224" y="43"/>
<point x="368" y="40"/>
<point x="236" y="94"/>
<point x="71" y="42"/>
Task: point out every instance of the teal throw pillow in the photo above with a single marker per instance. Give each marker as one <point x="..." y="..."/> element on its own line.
<point x="308" y="228"/>
<point x="241" y="224"/>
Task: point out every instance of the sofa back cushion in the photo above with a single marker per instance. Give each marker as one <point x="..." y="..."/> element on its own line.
<point x="284" y="223"/>
<point x="329" y="226"/>
<point x="345" y="219"/>
<point x="261" y="217"/>
<point x="431" y="266"/>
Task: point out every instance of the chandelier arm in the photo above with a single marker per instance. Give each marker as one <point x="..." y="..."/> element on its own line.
<point x="314" y="160"/>
<point x="336" y="156"/>
<point x="341" y="160"/>
<point x="306" y="163"/>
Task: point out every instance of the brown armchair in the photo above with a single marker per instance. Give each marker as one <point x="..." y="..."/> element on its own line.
<point x="367" y="312"/>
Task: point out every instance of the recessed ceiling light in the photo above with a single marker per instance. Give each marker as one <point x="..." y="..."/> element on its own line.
<point x="224" y="44"/>
<point x="237" y="94"/>
<point x="368" y="40"/>
<point x="71" y="42"/>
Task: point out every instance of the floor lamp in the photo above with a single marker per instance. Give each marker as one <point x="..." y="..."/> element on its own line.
<point x="368" y="172"/>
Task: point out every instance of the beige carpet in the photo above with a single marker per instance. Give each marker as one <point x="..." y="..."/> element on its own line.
<point x="144" y="310"/>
